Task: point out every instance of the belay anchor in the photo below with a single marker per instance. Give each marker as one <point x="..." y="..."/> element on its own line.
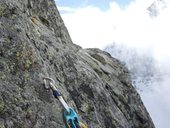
<point x="70" y="116"/>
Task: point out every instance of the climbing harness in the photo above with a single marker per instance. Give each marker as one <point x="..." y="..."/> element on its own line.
<point x="70" y="116"/>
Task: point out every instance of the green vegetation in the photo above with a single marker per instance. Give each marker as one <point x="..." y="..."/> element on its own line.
<point x="2" y="106"/>
<point x="2" y="10"/>
<point x="26" y="58"/>
<point x="2" y="76"/>
<point x="2" y="125"/>
<point x="29" y="113"/>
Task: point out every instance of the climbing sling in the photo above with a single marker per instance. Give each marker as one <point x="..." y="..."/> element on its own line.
<point x="70" y="117"/>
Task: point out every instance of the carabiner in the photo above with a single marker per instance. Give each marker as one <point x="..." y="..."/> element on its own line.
<point x="51" y="83"/>
<point x="56" y="93"/>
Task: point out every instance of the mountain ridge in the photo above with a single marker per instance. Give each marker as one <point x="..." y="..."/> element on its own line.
<point x="156" y="7"/>
<point x="35" y="41"/>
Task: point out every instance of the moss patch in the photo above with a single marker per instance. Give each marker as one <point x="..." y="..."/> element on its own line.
<point x="29" y="113"/>
<point x="84" y="107"/>
<point x="2" y="76"/>
<point x="2" y="125"/>
<point x="26" y="58"/>
<point x="2" y="106"/>
<point x="2" y="9"/>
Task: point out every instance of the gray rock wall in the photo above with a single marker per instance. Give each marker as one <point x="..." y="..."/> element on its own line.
<point x="34" y="42"/>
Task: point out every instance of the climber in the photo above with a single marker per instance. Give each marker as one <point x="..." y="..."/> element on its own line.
<point x="70" y="117"/>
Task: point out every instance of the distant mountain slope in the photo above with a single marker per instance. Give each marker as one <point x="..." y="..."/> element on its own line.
<point x="156" y="7"/>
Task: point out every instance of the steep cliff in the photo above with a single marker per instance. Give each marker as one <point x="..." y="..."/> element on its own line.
<point x="34" y="42"/>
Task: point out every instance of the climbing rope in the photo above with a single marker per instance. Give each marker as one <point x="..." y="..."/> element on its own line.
<point x="70" y="117"/>
<point x="82" y="125"/>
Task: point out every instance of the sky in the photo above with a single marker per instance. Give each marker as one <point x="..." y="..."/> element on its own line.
<point x="99" y="23"/>
<point x="102" y="4"/>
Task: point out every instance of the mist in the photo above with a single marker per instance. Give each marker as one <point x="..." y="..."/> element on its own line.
<point x="157" y="102"/>
<point x="150" y="78"/>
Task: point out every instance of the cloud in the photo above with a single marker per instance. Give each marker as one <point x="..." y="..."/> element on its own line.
<point x="64" y="9"/>
<point x="91" y="27"/>
<point x="86" y="27"/>
<point x="157" y="102"/>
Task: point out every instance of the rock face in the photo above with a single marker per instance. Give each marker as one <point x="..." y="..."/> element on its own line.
<point x="35" y="42"/>
<point x="156" y="7"/>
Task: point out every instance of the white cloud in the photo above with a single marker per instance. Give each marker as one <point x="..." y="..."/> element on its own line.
<point x="66" y="9"/>
<point x="92" y="27"/>
<point x="88" y="26"/>
<point x="157" y="102"/>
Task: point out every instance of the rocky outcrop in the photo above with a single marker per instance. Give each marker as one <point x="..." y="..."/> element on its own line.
<point x="157" y="7"/>
<point x="35" y="42"/>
